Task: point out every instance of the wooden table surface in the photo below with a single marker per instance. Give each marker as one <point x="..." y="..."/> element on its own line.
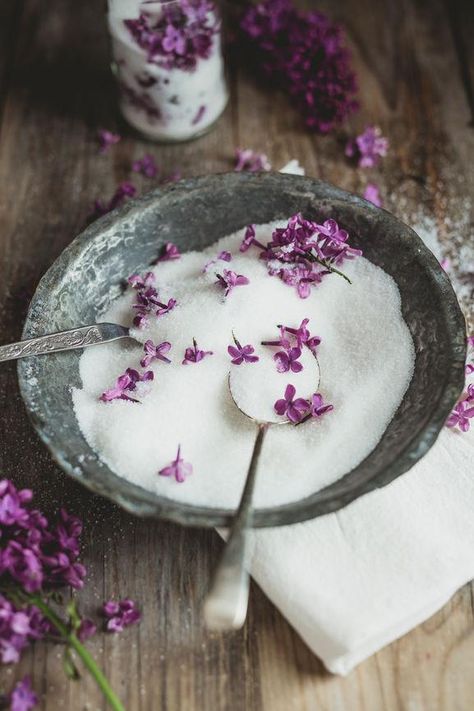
<point x="415" y="65"/>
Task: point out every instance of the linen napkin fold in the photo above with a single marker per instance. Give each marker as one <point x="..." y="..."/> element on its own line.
<point x="353" y="581"/>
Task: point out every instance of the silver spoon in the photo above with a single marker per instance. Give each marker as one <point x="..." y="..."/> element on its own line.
<point x="225" y="606"/>
<point x="82" y="337"/>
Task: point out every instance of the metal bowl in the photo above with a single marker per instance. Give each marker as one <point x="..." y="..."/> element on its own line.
<point x="194" y="213"/>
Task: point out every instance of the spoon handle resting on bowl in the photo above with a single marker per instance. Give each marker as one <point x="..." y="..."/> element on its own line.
<point x="225" y="607"/>
<point x="64" y="340"/>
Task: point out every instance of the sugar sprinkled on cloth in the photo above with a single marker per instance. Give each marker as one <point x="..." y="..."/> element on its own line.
<point x="365" y="358"/>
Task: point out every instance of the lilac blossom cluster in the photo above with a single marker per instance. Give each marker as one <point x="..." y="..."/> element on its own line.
<point x="178" y="35"/>
<point x="120" y="614"/>
<point x="147" y="301"/>
<point x="303" y="252"/>
<point x="368" y="148"/>
<point x="303" y="54"/>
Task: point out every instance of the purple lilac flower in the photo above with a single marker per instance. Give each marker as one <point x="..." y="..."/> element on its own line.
<point x="124" y="191"/>
<point x="372" y="194"/>
<point x="317" y="406"/>
<point x="303" y="54"/>
<point x="247" y="159"/>
<point x="177" y="468"/>
<point x="23" y="698"/>
<point x="153" y="352"/>
<point x="283" y="341"/>
<point x="86" y="630"/>
<point x="222" y="256"/>
<point x="368" y="147"/>
<point x="107" y="139"/>
<point x="229" y="280"/>
<point x="146" y="166"/>
<point x="295" y="410"/>
<point x="194" y="354"/>
<point x="249" y="239"/>
<point x="166" y="308"/>
<point x="120" y="614"/>
<point x="241" y="354"/>
<point x="168" y="252"/>
<point x="18" y="627"/>
<point x="179" y="35"/>
<point x="302" y="335"/>
<point x="126" y="383"/>
<point x="288" y="360"/>
<point x="141" y="283"/>
<point x="461" y="415"/>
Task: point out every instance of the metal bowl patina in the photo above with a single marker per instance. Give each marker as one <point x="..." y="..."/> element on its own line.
<point x="194" y="213"/>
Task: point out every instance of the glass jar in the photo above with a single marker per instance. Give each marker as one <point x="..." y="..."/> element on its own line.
<point x="169" y="66"/>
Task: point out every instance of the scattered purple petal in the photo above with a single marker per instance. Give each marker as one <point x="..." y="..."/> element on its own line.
<point x="242" y="354"/>
<point x="295" y="410"/>
<point x="153" y="352"/>
<point x="229" y="280"/>
<point x="200" y="113"/>
<point x="23" y="698"/>
<point x="146" y="166"/>
<point x="128" y="382"/>
<point x="177" y="468"/>
<point x="194" y="354"/>
<point x="368" y="148"/>
<point x="372" y="194"/>
<point x="247" y="159"/>
<point x="120" y="614"/>
<point x="107" y="139"/>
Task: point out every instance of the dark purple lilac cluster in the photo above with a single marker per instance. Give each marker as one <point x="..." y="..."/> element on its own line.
<point x="303" y="54"/>
<point x="303" y="252"/>
<point x="34" y="553"/>
<point x="178" y="35"/>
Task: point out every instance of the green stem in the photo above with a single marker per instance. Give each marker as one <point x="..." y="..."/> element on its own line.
<point x="80" y="650"/>
<point x="330" y="267"/>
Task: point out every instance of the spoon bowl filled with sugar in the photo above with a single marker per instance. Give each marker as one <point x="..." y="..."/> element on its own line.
<point x="391" y="355"/>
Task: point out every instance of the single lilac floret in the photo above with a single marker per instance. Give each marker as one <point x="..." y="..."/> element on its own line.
<point x="168" y="252"/>
<point x="368" y="147"/>
<point x="294" y="409"/>
<point x="177" y="468"/>
<point x="241" y="354"/>
<point x="249" y="240"/>
<point x="247" y="159"/>
<point x="146" y="166"/>
<point x="126" y="383"/>
<point x="165" y="308"/>
<point x="194" y="354"/>
<point x="372" y="194"/>
<point x="120" y="614"/>
<point x="107" y="139"/>
<point x="141" y="283"/>
<point x="288" y="360"/>
<point x="302" y="335"/>
<point x="229" y="280"/>
<point x="153" y="352"/>
<point x="23" y="698"/>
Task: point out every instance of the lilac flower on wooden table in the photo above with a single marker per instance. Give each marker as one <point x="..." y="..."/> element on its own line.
<point x="247" y="159"/>
<point x="120" y="614"/>
<point x="107" y="139"/>
<point x="368" y="148"/>
<point x="146" y="166"/>
<point x="23" y="698"/>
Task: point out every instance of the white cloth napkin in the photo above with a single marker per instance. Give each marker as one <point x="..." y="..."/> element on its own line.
<point x="353" y="581"/>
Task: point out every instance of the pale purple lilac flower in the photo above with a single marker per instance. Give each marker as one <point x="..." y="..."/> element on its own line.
<point x="126" y="383"/>
<point x="107" y="139"/>
<point x="177" y="468"/>
<point x="241" y="354"/>
<point x="288" y="360"/>
<point x="249" y="239"/>
<point x="168" y="252"/>
<point x="461" y="415"/>
<point x="294" y="409"/>
<point x="153" y="352"/>
<point x="368" y="147"/>
<point x="302" y="335"/>
<point x="317" y="406"/>
<point x="146" y="166"/>
<point x="372" y="194"/>
<point x="223" y="256"/>
<point x="23" y="698"/>
<point x="229" y="280"/>
<point x="194" y="354"/>
<point x="247" y="159"/>
<point x="124" y="191"/>
<point x="120" y="614"/>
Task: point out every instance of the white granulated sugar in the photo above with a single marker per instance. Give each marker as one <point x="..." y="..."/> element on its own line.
<point x="365" y="358"/>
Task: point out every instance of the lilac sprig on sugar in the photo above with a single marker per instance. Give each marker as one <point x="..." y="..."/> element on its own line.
<point x="178" y="35"/>
<point x="303" y="54"/>
<point x="304" y="252"/>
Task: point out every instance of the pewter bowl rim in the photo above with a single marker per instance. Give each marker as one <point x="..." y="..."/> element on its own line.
<point x="142" y="502"/>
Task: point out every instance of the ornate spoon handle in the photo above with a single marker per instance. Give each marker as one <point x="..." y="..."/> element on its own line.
<point x="64" y="341"/>
<point x="225" y="607"/>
